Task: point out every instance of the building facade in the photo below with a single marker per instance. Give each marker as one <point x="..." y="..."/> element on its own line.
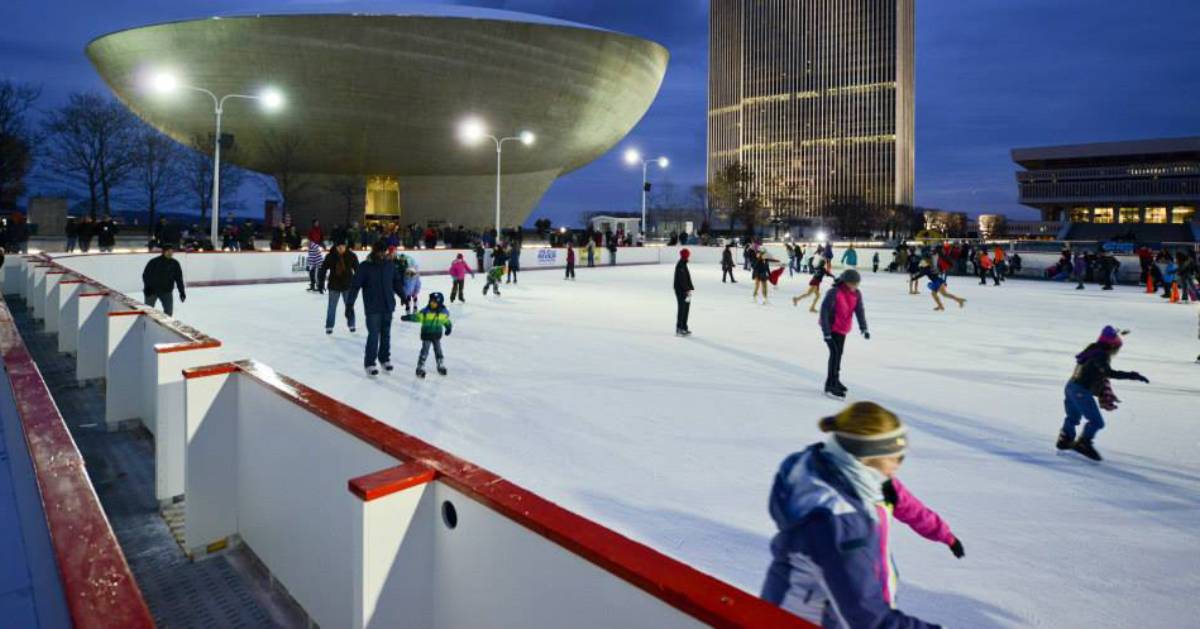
<point x="815" y="97"/>
<point x="1131" y="186"/>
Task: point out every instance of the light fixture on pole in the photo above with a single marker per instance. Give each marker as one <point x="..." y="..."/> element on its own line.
<point x="633" y="157"/>
<point x="472" y="130"/>
<point x="270" y="98"/>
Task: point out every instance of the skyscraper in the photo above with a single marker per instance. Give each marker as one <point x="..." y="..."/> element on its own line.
<point x="815" y="98"/>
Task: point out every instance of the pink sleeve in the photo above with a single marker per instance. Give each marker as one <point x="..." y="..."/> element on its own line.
<point x="918" y="517"/>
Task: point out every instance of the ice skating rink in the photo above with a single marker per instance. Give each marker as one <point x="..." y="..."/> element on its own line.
<point x="580" y="391"/>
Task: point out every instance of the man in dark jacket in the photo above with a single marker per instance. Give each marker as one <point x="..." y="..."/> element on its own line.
<point x="339" y="266"/>
<point x="106" y="234"/>
<point x="683" y="293"/>
<point x="727" y="264"/>
<point x="377" y="280"/>
<point x="87" y="230"/>
<point x="161" y="275"/>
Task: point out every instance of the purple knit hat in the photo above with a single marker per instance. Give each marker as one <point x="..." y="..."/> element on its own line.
<point x="1110" y="336"/>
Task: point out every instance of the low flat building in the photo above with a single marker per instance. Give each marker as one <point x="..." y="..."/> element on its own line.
<point x="1143" y="189"/>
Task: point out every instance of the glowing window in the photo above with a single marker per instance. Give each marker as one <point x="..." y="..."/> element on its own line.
<point x="1103" y="215"/>
<point x="1081" y="215"/>
<point x="1130" y="215"/>
<point x="1183" y="215"/>
<point x="1156" y="215"/>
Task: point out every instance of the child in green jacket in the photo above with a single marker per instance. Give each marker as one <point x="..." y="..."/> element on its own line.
<point x="493" y="279"/>
<point x="434" y="318"/>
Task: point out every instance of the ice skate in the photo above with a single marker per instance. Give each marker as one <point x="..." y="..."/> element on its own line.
<point x="1064" y="442"/>
<point x="387" y="366"/>
<point x="352" y="329"/>
<point x="328" y="330"/>
<point x="421" y="373"/>
<point x="441" y="370"/>
<point x="372" y="371"/>
<point x="1085" y="447"/>
<point x="835" y="393"/>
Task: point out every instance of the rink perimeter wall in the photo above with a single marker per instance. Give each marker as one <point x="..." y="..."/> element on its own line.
<point x="364" y="525"/>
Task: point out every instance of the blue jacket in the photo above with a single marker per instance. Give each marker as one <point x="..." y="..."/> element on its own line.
<point x="379" y="284"/>
<point x="826" y="556"/>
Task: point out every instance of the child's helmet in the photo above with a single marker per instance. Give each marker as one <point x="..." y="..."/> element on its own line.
<point x="437" y="297"/>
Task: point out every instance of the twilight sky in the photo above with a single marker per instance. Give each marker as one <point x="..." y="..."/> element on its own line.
<point x="991" y="75"/>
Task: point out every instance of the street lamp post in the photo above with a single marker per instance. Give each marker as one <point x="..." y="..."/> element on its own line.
<point x="270" y="98"/>
<point x="632" y="157"/>
<point x="473" y="131"/>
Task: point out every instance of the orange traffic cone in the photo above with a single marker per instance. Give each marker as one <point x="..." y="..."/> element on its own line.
<point x="1149" y="284"/>
<point x="1174" y="292"/>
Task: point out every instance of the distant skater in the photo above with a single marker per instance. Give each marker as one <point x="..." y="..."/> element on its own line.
<point x="162" y="275"/>
<point x="683" y="293"/>
<point x="570" y="275"/>
<point x="814" y="285"/>
<point x="727" y="264"/>
<point x="937" y="287"/>
<point x="875" y="263"/>
<point x="458" y="276"/>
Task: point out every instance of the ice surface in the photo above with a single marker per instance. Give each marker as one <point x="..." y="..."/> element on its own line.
<point x="581" y="393"/>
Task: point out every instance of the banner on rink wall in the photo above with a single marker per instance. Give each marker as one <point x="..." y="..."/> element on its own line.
<point x="547" y="257"/>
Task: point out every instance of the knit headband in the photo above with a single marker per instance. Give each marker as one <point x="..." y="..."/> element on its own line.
<point x="868" y="446"/>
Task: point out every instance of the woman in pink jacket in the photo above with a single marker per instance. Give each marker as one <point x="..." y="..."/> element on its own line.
<point x="458" y="272"/>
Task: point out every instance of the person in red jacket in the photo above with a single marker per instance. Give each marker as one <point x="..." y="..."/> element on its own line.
<point x="315" y="234"/>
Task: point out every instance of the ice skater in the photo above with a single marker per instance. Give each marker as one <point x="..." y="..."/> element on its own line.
<point x="833" y="503"/>
<point x="458" y="276"/>
<point x="434" y="318"/>
<point x="814" y="285"/>
<point x="412" y="288"/>
<point x="850" y="257"/>
<point x="337" y="271"/>
<point x="570" y="274"/>
<point x="875" y="263"/>
<point x="761" y="273"/>
<point x="377" y="281"/>
<point x="493" y="279"/>
<point x="312" y="263"/>
<point x="937" y="287"/>
<point x="727" y="264"/>
<point x="1089" y="390"/>
<point x="843" y="303"/>
<point x="915" y="273"/>
<point x="683" y="293"/>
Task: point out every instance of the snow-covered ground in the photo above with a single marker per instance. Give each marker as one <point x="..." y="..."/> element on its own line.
<point x="580" y="392"/>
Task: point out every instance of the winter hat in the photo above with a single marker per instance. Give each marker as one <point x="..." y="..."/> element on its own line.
<point x="684" y="254"/>
<point x="436" y="297"/>
<point x="1110" y="336"/>
<point x="850" y="276"/>
<point x="867" y="430"/>
<point x="460" y="256"/>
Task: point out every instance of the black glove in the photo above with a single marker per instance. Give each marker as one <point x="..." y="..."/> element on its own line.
<point x="1138" y="376"/>
<point x="957" y="549"/>
<point x="448" y="331"/>
<point x="866" y="335"/>
<point x="182" y="297"/>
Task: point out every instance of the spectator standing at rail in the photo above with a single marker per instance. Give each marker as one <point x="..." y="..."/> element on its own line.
<point x="316" y="234"/>
<point x="17" y="238"/>
<point x="612" y="252"/>
<point x="161" y="275"/>
<point x="87" y="231"/>
<point x="591" y="253"/>
<point x="106" y="236"/>
<point x="339" y="267"/>
<point x="377" y="281"/>
<point x="72" y="231"/>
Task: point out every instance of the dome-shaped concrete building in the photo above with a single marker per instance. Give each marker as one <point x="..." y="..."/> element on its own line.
<point x="377" y="100"/>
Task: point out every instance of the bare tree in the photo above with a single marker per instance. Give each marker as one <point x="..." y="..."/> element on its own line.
<point x="348" y="190"/>
<point x="282" y="151"/>
<point x="157" y="163"/>
<point x="17" y="139"/>
<point x="854" y="216"/>
<point x="730" y="195"/>
<point x="88" y="143"/>
<point x="198" y="171"/>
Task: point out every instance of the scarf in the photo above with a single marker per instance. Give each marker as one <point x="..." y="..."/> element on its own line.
<point x="866" y="481"/>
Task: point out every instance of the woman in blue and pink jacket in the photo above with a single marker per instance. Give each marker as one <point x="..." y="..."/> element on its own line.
<point x="833" y="504"/>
